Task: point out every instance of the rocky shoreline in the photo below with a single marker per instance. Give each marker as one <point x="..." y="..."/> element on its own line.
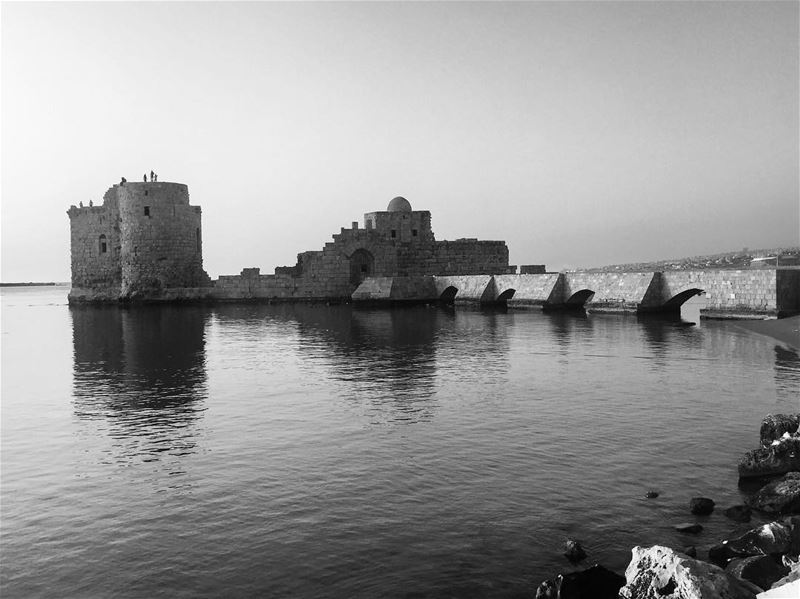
<point x="762" y="563"/>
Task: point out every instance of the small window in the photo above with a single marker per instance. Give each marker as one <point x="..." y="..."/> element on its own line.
<point x="197" y="237"/>
<point x="414" y="232"/>
<point x="103" y="244"/>
<point x="146" y="192"/>
<point x="394" y="233"/>
<point x="147" y="210"/>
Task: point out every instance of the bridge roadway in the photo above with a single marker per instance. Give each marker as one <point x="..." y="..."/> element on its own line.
<point x="746" y="293"/>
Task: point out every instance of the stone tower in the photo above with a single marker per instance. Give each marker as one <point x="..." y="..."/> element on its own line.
<point x="144" y="240"/>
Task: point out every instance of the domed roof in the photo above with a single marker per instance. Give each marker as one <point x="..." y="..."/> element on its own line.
<point x="399" y="204"/>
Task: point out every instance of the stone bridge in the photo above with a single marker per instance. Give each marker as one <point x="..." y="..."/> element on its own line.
<point x="757" y="292"/>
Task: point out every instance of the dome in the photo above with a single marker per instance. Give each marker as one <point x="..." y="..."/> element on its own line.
<point x="399" y="204"/>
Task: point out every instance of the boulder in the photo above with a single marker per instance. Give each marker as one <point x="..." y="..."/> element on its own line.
<point x="691" y="551"/>
<point x="761" y="570"/>
<point x="573" y="551"/>
<point x="691" y="528"/>
<point x="660" y="573"/>
<point x="779" y="496"/>
<point x="701" y="506"/>
<point x="792" y="576"/>
<point x="780" y="457"/>
<point x="651" y="494"/>
<point x="775" y="425"/>
<point x="774" y="538"/>
<point x="739" y="513"/>
<point x="596" y="582"/>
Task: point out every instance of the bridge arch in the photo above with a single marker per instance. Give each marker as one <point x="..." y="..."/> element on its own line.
<point x="448" y="296"/>
<point x="675" y="302"/>
<point x="579" y="298"/>
<point x="506" y="295"/>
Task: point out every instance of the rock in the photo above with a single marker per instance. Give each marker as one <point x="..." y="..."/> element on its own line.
<point x="548" y="589"/>
<point x="691" y="528"/>
<point x="721" y="554"/>
<point x="738" y="513"/>
<point x="701" y="506"/>
<point x="651" y="494"/>
<point x="789" y="591"/>
<point x="691" y="551"/>
<point x="780" y="457"/>
<point x="775" y="538"/>
<point x="573" y="551"/>
<point x="596" y="582"/>
<point x="792" y="576"/>
<point x="660" y="573"/>
<point x="780" y="496"/>
<point x="761" y="570"/>
<point x="775" y="425"/>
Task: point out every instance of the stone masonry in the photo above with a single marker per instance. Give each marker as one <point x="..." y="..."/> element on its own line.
<point x="144" y="241"/>
<point x="397" y="242"/>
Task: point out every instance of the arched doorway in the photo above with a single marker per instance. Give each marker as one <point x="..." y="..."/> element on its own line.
<point x="362" y="265"/>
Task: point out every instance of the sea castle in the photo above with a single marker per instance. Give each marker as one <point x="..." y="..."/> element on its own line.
<point x="144" y="243"/>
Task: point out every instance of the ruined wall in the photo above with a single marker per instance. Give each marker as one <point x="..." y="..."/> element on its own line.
<point x="392" y="244"/>
<point x="95" y="248"/>
<point x="161" y="238"/>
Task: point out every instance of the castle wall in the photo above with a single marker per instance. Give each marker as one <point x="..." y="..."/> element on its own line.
<point x="408" y="227"/>
<point x="470" y="257"/>
<point x="95" y="248"/>
<point x="161" y="238"/>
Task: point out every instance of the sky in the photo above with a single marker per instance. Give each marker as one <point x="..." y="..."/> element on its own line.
<point x="581" y="133"/>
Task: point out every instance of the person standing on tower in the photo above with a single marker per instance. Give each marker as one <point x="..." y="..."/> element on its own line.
<point x="145" y="177"/>
<point x="155" y="177"/>
<point x="152" y="176"/>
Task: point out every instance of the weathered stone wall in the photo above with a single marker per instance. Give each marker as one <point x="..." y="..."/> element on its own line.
<point x="470" y="288"/>
<point x="161" y="238"/>
<point x="612" y="291"/>
<point x="408" y="227"/>
<point x="528" y="289"/>
<point x="94" y="266"/>
<point x="392" y="244"/>
<point x="729" y="291"/>
<point x="153" y="243"/>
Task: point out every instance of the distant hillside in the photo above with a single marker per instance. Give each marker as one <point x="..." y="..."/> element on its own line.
<point x="744" y="258"/>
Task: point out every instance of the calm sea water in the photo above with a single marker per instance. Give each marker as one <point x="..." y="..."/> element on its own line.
<point x="312" y="451"/>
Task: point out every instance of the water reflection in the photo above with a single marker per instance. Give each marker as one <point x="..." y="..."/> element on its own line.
<point x="139" y="376"/>
<point x="787" y="368"/>
<point x="385" y="360"/>
<point x="565" y="324"/>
